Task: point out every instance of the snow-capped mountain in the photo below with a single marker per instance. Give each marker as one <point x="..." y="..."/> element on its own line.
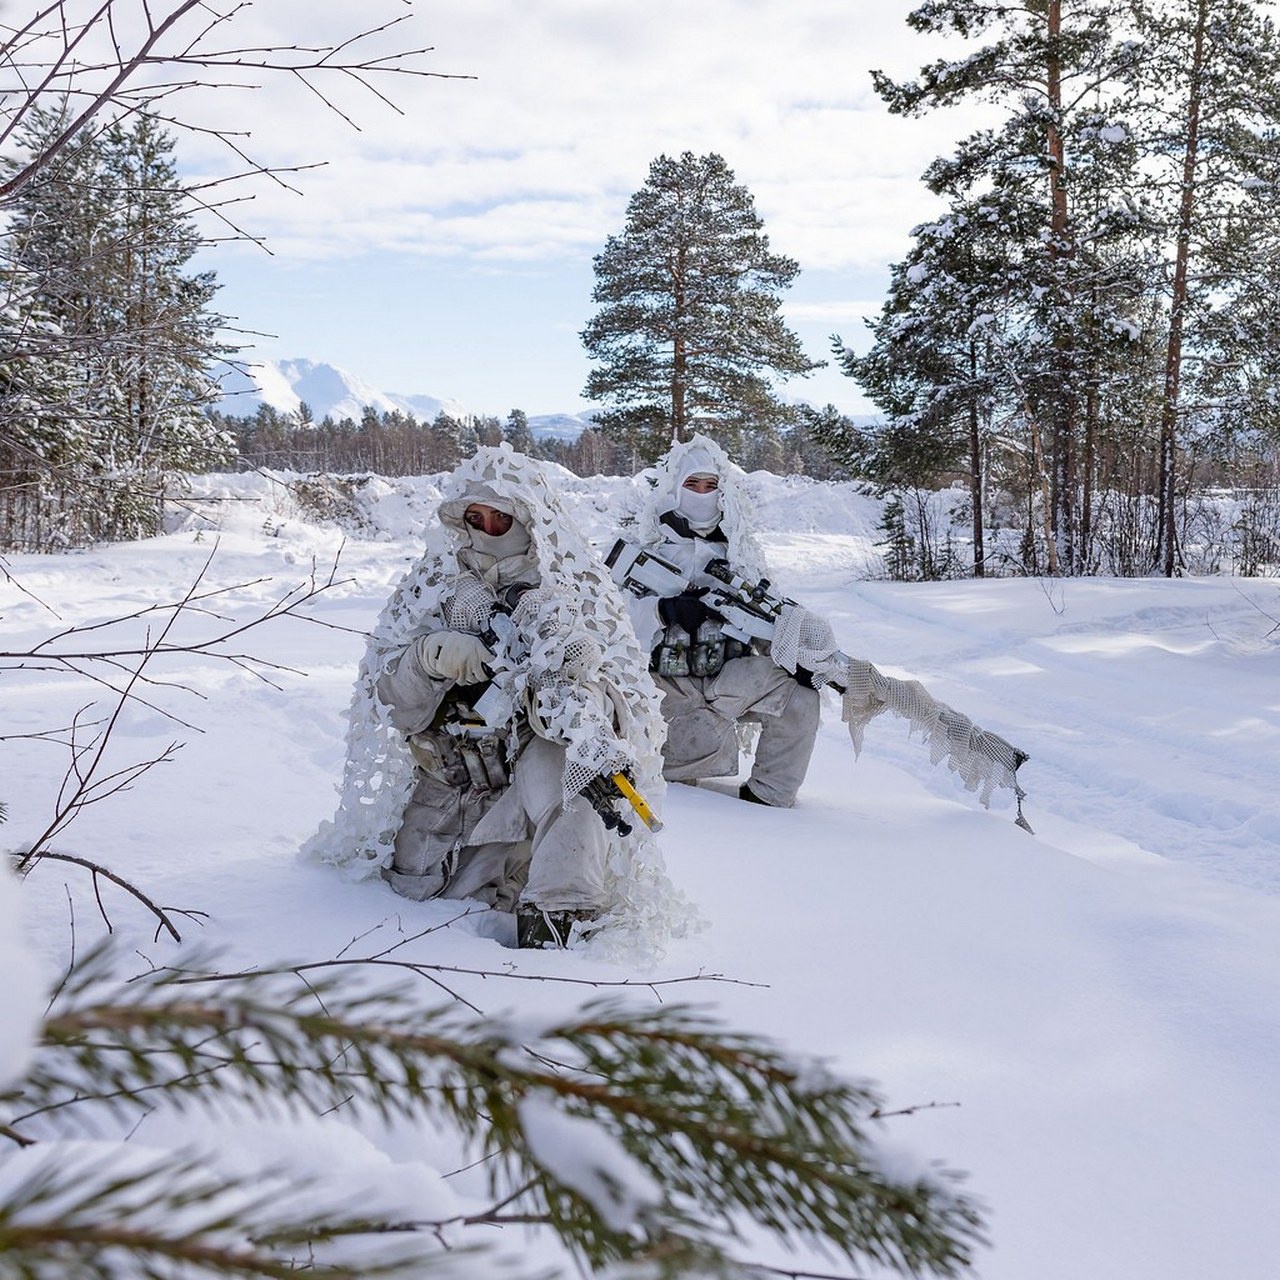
<point x="330" y="391"/>
<point x="563" y="426"/>
<point x="326" y="389"/>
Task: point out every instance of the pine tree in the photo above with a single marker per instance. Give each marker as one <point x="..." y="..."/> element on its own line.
<point x="947" y="349"/>
<point x="518" y="433"/>
<point x="97" y="244"/>
<point x="448" y="437"/>
<point x="1211" y="103"/>
<point x="688" y="335"/>
<point x="48" y="429"/>
<point x="1062" y="81"/>
<point x="641" y="1136"/>
<point x="166" y="341"/>
<point x="41" y="438"/>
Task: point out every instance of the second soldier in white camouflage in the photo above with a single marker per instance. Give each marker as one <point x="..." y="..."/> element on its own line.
<point x="717" y="692"/>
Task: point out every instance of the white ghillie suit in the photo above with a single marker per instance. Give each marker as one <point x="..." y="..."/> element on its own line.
<point x="570" y="667"/>
<point x="715" y="708"/>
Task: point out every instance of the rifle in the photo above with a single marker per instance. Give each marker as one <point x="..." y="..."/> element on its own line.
<point x="494" y="706"/>
<point x="751" y="611"/>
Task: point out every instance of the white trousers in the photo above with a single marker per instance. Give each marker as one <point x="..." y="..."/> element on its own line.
<point x="702" y="716"/>
<point x="521" y="843"/>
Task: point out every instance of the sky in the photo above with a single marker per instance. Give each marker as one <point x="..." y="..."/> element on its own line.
<point x="445" y="247"/>
<point x="1082" y="1019"/>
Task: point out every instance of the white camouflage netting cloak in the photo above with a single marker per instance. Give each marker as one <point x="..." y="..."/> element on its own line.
<point x="982" y="760"/>
<point x="577" y="598"/>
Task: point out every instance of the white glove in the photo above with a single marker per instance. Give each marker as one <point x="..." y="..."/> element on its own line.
<point x="454" y="655"/>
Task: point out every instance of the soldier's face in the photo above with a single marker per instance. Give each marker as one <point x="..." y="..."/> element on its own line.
<point x="487" y="519"/>
<point x="702" y="484"/>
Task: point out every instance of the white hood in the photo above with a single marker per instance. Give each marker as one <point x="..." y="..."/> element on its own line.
<point x="662" y="485"/>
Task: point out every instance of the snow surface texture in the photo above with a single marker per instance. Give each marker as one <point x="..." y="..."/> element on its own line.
<point x="20" y="1004"/>
<point x="1093" y="1009"/>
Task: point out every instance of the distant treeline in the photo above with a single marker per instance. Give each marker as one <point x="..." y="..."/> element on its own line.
<point x="1228" y="516"/>
<point x="398" y="444"/>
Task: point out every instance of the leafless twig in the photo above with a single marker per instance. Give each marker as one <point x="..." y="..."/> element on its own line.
<point x="65" y="651"/>
<point x="88" y="778"/>
<point x="164" y="915"/>
<point x="104" y="66"/>
<point x="878" y="1114"/>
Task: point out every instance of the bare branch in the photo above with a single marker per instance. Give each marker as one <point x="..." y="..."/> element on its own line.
<point x="55" y="57"/>
<point x="87" y="780"/>
<point x="54" y="652"/>
<point x="426" y="970"/>
<point x="88" y="788"/>
<point x="879" y="1114"/>
<point x="164" y="915"/>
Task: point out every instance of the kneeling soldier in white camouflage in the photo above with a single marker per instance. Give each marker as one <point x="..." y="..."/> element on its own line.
<point x="510" y="713"/>
<point x="730" y="654"/>
<point x="716" y="688"/>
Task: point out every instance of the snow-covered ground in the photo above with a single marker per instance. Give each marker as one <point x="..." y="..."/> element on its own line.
<point x="1095" y="1009"/>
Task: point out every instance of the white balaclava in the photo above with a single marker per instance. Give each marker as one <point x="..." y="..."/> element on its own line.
<point x="661" y="490"/>
<point x="505" y="555"/>
<point x="515" y="542"/>
<point x="701" y="510"/>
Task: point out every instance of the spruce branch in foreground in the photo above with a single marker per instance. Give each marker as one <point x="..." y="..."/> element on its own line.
<point x="646" y="1135"/>
<point x="94" y="1216"/>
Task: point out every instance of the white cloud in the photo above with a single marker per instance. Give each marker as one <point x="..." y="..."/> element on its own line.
<point x="838" y="312"/>
<point x="470" y="213"/>
<point x="572" y="100"/>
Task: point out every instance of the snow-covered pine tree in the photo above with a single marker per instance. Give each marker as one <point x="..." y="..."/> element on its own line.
<point x="1237" y="395"/>
<point x="163" y="340"/>
<point x="48" y="426"/>
<point x="1210" y="100"/>
<point x="688" y="336"/>
<point x="644" y="1136"/>
<point x="1059" y="80"/>
<point x="42" y="441"/>
<point x="947" y="355"/>
<point x="99" y="239"/>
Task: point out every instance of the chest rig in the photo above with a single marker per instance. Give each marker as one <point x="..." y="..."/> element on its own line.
<point x="702" y="654"/>
<point x="459" y="747"/>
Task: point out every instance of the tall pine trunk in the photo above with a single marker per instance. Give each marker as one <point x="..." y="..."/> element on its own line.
<point x="1089" y="467"/>
<point x="1061" y="251"/>
<point x="975" y="472"/>
<point x="1178" y="303"/>
<point x="679" y="358"/>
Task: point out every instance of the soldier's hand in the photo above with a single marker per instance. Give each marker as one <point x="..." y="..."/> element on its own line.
<point x="454" y="655"/>
<point x="687" y="610"/>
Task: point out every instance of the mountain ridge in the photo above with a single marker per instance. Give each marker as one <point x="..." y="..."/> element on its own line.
<point x="330" y="391"/>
